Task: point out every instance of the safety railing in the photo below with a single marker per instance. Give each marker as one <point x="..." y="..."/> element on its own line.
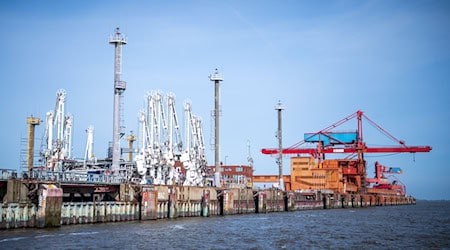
<point x="6" y="174"/>
<point x="65" y="177"/>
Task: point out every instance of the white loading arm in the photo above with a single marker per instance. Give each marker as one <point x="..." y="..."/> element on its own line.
<point x="187" y="131"/>
<point x="200" y="139"/>
<point x="49" y="131"/>
<point x="58" y="132"/>
<point x="59" y="120"/>
<point x="169" y="157"/>
<point x="141" y="157"/>
<point x="67" y="146"/>
<point x="89" y="151"/>
<point x="156" y="101"/>
<point x="173" y="123"/>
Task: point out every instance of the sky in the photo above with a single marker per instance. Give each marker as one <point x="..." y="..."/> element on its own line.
<point x="323" y="60"/>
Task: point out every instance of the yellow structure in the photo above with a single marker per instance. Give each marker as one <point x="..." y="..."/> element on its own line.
<point x="131" y="138"/>
<point x="32" y="122"/>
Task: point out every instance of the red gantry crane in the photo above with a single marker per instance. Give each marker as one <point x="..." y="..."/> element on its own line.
<point x="354" y="172"/>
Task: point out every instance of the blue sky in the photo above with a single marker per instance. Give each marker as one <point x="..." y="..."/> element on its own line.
<point x="322" y="59"/>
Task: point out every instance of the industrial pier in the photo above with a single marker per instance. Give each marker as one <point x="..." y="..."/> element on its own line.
<point x="70" y="199"/>
<point x="167" y="176"/>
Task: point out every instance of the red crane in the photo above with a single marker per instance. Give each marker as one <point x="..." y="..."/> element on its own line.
<point x="353" y="171"/>
<point x="338" y="146"/>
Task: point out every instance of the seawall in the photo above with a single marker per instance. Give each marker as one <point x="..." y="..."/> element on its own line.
<point x="29" y="203"/>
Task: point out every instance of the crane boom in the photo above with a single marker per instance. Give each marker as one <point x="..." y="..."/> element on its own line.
<point x="347" y="175"/>
<point x="357" y="146"/>
<point x="314" y="151"/>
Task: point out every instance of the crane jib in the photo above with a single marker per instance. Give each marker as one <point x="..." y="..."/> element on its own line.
<point x="411" y="149"/>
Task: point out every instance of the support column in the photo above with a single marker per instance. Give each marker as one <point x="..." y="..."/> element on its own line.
<point x="205" y="203"/>
<point x="49" y="206"/>
<point x="149" y="204"/>
<point x="172" y="203"/>
<point x="32" y="122"/>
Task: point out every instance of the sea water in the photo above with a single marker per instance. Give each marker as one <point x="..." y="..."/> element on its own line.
<point x="422" y="226"/>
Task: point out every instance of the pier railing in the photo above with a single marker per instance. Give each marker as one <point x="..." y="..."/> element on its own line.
<point x="67" y="176"/>
<point x="6" y="174"/>
<point x="77" y="177"/>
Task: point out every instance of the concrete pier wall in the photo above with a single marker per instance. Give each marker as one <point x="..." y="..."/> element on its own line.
<point x="271" y="200"/>
<point x="17" y="191"/>
<point x="189" y="201"/>
<point x="244" y="202"/>
<point x="305" y="201"/>
<point x="17" y="215"/>
<point x="98" y="212"/>
<point x="41" y="204"/>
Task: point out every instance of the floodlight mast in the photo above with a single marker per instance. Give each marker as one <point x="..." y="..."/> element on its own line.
<point x="216" y="78"/>
<point x="119" y="87"/>
<point x="279" y="108"/>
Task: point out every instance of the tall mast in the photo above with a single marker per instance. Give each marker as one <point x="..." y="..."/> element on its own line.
<point x="119" y="87"/>
<point x="280" y="108"/>
<point x="216" y="78"/>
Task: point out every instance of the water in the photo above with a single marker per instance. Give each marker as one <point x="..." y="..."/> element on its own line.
<point x="423" y="226"/>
